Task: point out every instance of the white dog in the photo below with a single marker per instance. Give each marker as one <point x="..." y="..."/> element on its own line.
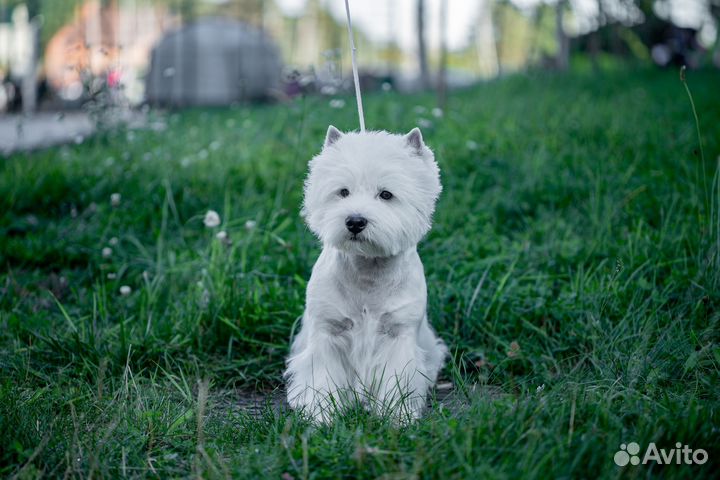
<point x="369" y="197"/>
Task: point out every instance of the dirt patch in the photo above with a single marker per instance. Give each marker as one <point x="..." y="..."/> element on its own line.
<point x="444" y="396"/>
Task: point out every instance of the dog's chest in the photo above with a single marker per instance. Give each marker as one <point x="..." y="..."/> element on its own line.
<point x="363" y="318"/>
<point x="358" y="303"/>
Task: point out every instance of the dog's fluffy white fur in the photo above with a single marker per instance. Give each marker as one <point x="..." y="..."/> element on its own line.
<point x="365" y="333"/>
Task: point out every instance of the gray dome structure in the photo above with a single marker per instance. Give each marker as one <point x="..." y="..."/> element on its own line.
<point x="213" y="62"/>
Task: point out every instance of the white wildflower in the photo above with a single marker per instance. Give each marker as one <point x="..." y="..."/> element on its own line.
<point x="437" y="112"/>
<point x="212" y="219"/>
<point x="111" y="276"/>
<point x="250" y="224"/>
<point x="115" y="199"/>
<point x="113" y="241"/>
<point x="125" y="290"/>
<point x="337" y="103"/>
<point x="107" y="252"/>
<point x="221" y="235"/>
<point x="424" y="123"/>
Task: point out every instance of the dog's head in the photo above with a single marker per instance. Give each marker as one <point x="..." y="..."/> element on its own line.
<point x="371" y="193"/>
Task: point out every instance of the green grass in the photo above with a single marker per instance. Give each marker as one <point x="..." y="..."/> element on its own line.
<point x="574" y="269"/>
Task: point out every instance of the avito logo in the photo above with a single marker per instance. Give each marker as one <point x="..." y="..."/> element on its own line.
<point x="680" y="455"/>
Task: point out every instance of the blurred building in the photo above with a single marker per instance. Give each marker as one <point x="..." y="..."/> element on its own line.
<point x="213" y="61"/>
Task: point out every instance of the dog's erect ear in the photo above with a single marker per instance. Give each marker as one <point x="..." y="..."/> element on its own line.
<point x="332" y="136"/>
<point x="414" y="140"/>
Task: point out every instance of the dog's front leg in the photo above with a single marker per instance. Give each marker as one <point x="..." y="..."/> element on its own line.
<point x="399" y="379"/>
<point x="316" y="375"/>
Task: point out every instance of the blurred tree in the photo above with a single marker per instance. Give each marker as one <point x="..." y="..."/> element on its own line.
<point x="487" y="40"/>
<point x="442" y="69"/>
<point x="594" y="42"/>
<point x="715" y="13"/>
<point x="542" y="43"/>
<point x="422" y="47"/>
<point x="513" y="33"/>
<point x="562" y="58"/>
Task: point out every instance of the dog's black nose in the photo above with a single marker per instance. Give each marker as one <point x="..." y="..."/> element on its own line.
<point x="355" y="223"/>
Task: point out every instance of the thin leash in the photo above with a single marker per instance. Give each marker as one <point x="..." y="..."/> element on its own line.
<point x="358" y="95"/>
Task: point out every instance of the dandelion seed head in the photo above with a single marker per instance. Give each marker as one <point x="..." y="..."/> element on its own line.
<point x="424" y="123"/>
<point x="212" y="219"/>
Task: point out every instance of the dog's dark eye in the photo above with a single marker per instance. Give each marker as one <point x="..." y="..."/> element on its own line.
<point x="344" y="192"/>
<point x="385" y="195"/>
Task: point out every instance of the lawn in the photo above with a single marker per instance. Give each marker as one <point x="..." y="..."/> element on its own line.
<point x="573" y="269"/>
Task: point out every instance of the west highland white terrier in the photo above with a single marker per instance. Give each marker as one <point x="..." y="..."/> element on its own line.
<point x="365" y="335"/>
